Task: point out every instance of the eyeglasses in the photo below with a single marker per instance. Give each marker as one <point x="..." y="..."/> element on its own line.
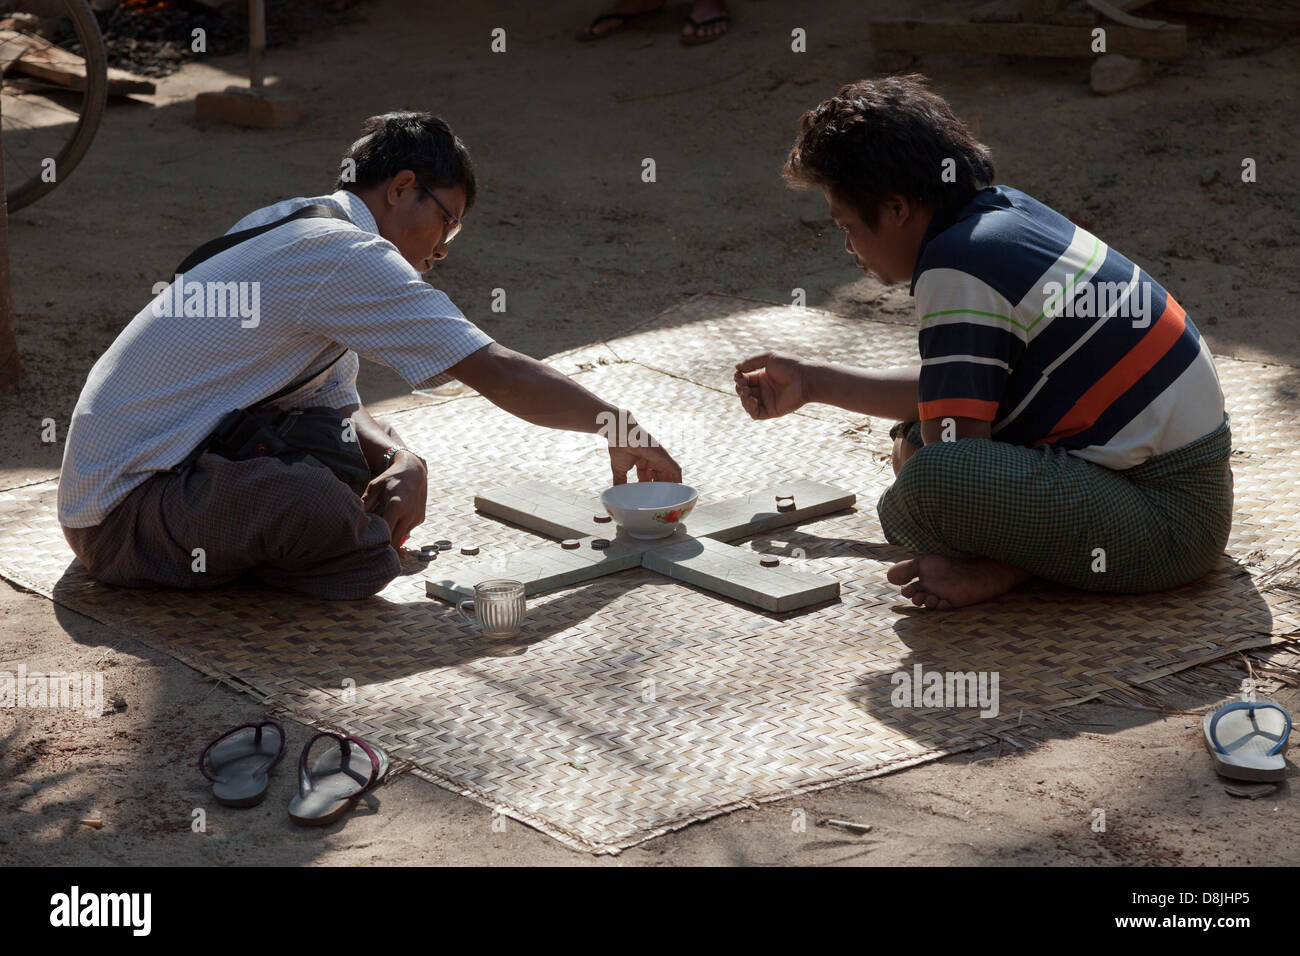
<point x="451" y="224"/>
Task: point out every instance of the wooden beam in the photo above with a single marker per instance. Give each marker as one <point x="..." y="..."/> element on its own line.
<point x="735" y="573"/>
<point x="12" y="46"/>
<point x="540" y="570"/>
<point x="547" y="509"/>
<point x="1023" y="39"/>
<point x="550" y="510"/>
<point x="756" y="513"/>
<point x="694" y="554"/>
<point x="45" y="61"/>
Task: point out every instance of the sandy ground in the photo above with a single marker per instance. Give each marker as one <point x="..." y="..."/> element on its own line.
<point x="584" y="250"/>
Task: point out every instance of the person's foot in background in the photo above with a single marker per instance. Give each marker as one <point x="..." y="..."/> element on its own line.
<point x="617" y="17"/>
<point x="708" y="21"/>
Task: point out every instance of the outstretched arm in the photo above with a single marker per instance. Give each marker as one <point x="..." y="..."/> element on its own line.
<point x="537" y="393"/>
<point x="771" y="384"/>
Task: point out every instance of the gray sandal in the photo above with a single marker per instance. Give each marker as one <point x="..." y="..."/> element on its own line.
<point x="337" y="780"/>
<point x="241" y="759"/>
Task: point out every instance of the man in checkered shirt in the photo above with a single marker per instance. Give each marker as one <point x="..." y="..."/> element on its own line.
<point x="136" y="513"/>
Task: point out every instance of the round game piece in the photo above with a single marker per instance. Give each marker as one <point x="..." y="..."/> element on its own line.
<point x="443" y="544"/>
<point x="600" y="544"/>
<point x="602" y="519"/>
<point x="425" y="555"/>
<point x="426" y="548"/>
<point x="785" y="506"/>
<point x="568" y="544"/>
<point x="470" y="549"/>
<point x="783" y="494"/>
<point x="768" y="561"/>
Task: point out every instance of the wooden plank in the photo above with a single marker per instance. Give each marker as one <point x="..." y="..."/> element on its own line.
<point x="1023" y="39"/>
<point x="45" y="61"/>
<point x="12" y="45"/>
<point x="756" y="513"/>
<point x="554" y="511"/>
<point x="124" y="83"/>
<point x="541" y="570"/>
<point x="735" y="573"/>
<point x="582" y="507"/>
<point x="547" y="509"/>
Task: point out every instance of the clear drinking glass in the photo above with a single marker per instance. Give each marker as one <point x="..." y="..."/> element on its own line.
<point x="498" y="608"/>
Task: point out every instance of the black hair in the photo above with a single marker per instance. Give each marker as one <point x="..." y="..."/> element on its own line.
<point x="888" y="136"/>
<point x="420" y="142"/>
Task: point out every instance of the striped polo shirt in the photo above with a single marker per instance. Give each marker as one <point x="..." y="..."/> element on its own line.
<point x="1033" y="324"/>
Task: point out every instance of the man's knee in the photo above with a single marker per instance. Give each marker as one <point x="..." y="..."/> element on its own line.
<point x="927" y="484"/>
<point x="930" y="474"/>
<point x="299" y="512"/>
<point x="903" y="450"/>
<point x="82" y="541"/>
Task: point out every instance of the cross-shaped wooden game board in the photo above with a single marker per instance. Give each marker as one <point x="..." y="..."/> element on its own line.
<point x="694" y="554"/>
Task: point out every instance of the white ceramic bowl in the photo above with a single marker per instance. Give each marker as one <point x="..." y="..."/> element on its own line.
<point x="649" y="509"/>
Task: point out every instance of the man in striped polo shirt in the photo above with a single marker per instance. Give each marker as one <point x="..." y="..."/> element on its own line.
<point x="1066" y="420"/>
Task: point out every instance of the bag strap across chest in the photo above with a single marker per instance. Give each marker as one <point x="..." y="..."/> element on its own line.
<point x="222" y="243"/>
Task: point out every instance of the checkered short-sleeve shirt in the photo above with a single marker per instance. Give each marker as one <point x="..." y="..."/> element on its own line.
<point x="240" y="327"/>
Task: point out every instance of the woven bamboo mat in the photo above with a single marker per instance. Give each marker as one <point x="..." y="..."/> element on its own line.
<point x="636" y="704"/>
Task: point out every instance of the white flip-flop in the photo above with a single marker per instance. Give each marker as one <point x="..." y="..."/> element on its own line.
<point x="1246" y="739"/>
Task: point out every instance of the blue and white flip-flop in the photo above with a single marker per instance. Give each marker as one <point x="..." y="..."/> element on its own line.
<point x="1246" y="739"/>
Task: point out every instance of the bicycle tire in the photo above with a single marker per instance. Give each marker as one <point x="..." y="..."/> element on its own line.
<point x="93" y="102"/>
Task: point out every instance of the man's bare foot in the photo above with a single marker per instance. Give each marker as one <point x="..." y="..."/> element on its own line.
<point x="617" y="17"/>
<point x="941" y="584"/>
<point x="702" y="11"/>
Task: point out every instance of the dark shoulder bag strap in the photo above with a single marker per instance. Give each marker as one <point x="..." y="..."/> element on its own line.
<point x="222" y="243"/>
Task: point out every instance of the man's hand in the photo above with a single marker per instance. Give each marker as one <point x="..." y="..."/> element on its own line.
<point x="398" y="495"/>
<point x="771" y="384"/>
<point x="652" y="463"/>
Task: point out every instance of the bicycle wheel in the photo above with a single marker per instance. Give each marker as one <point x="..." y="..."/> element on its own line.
<point x="45" y="121"/>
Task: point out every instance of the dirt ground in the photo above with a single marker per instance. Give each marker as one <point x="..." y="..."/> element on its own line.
<point x="585" y="250"/>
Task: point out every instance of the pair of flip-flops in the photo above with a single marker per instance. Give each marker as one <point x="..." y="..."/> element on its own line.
<point x="694" y="38"/>
<point x="1246" y="740"/>
<point x="239" y="763"/>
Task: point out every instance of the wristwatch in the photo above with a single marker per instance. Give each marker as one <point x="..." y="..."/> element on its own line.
<point x="391" y="452"/>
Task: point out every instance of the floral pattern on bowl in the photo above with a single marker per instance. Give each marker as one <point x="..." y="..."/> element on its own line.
<point x="649" y="509"/>
<point x="675" y="515"/>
